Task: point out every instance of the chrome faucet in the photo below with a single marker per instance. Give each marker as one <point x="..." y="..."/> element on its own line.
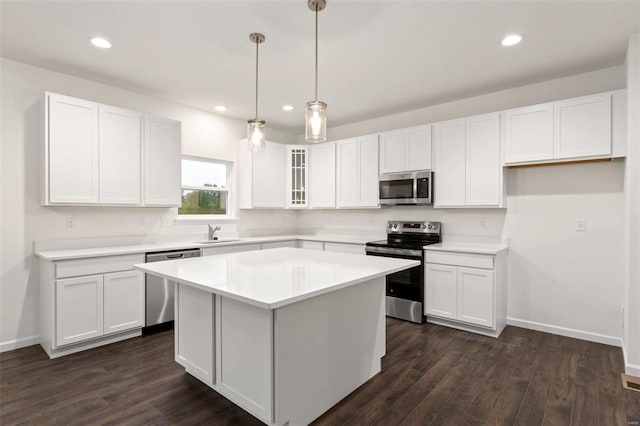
<point x="212" y="231"/>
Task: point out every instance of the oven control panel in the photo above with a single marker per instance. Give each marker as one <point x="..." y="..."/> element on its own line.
<point x="394" y="227"/>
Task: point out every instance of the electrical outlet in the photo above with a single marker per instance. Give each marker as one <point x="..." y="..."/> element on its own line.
<point x="166" y="221"/>
<point x="581" y="225"/>
<point x="483" y="223"/>
<point x="71" y="222"/>
<point x="142" y="220"/>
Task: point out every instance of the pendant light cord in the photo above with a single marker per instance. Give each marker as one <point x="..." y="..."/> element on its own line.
<point x="316" y="52"/>
<point x="257" y="45"/>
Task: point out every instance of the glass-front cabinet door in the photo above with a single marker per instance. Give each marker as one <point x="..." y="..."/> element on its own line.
<point x="297" y="160"/>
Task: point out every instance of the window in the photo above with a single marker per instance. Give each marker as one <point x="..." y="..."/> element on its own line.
<point x="205" y="189"/>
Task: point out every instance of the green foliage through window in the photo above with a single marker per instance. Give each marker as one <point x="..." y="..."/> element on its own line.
<point x="203" y="202"/>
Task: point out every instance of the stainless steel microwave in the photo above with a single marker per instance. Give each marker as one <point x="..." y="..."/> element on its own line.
<point x="414" y="188"/>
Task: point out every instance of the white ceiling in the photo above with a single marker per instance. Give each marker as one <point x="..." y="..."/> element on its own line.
<point x="376" y="57"/>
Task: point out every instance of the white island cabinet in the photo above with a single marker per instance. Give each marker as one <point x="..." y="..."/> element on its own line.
<point x="283" y="333"/>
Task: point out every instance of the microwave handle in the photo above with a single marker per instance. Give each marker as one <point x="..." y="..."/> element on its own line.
<point x="415" y="188"/>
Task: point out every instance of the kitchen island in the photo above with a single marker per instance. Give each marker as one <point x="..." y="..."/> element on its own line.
<point x="284" y="333"/>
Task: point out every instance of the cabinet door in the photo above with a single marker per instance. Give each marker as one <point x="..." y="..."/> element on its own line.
<point x="368" y="171"/>
<point x="393" y="152"/>
<point x="476" y="296"/>
<point x="297" y="159"/>
<point x="72" y="150"/>
<point x="120" y="145"/>
<point x="162" y="151"/>
<point x="441" y="290"/>
<point x="529" y="133"/>
<point x="450" y="180"/>
<point x="419" y="148"/>
<point x="347" y="173"/>
<point x="262" y="187"/>
<point x="276" y="180"/>
<point x="268" y="174"/>
<point x="322" y="174"/>
<point x="123" y="301"/>
<point x="483" y="168"/>
<point x="79" y="309"/>
<point x="582" y="127"/>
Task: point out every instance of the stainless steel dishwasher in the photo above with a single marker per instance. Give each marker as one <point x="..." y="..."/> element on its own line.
<point x="160" y="291"/>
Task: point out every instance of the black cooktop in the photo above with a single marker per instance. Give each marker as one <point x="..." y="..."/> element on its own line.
<point x="412" y="245"/>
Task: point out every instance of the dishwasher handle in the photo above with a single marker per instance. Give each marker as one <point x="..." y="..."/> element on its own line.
<point x="175" y="256"/>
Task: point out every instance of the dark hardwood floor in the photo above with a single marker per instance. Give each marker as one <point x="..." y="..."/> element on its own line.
<point x="431" y="375"/>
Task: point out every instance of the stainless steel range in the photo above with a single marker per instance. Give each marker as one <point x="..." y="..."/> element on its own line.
<point x="405" y="289"/>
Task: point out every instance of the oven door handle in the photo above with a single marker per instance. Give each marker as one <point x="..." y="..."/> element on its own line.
<point x="395" y="252"/>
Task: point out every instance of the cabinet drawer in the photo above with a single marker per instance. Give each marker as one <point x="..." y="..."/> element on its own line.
<point x="97" y="265"/>
<point x="312" y="245"/>
<point x="278" y="244"/>
<point x="471" y="260"/>
<point x="344" y="248"/>
<point x="230" y="249"/>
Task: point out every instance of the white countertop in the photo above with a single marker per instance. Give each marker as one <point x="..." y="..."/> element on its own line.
<point x="77" y="253"/>
<point x="276" y="277"/>
<point x="462" y="247"/>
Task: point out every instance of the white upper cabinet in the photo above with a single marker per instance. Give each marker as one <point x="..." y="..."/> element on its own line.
<point x="120" y="145"/>
<point x="357" y="172"/>
<point x="322" y="175"/>
<point x="529" y="133"/>
<point x="467" y="162"/>
<point x="71" y="151"/>
<point x="162" y="150"/>
<point x="97" y="154"/>
<point x="483" y="168"/>
<point x="297" y="193"/>
<point x="261" y="176"/>
<point x="584" y="127"/>
<point x="405" y="150"/>
<point x="368" y="171"/>
<point x="348" y="190"/>
<point x="450" y="170"/>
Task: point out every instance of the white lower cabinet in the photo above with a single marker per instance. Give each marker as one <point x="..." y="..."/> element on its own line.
<point x="312" y="245"/>
<point x="344" y="248"/>
<point x="466" y="291"/>
<point x="212" y="251"/>
<point x="124" y="302"/>
<point x="79" y="313"/>
<point x="90" y="302"/>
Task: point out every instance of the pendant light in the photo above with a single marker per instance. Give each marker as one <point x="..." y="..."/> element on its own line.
<point x="255" y="127"/>
<point x="316" y="116"/>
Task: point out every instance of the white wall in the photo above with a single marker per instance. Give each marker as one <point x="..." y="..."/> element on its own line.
<point x="24" y="220"/>
<point x="559" y="280"/>
<point x="632" y="184"/>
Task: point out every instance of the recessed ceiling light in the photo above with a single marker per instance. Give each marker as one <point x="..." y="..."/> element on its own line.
<point x="100" y="42"/>
<point x="221" y="108"/>
<point x="511" y="40"/>
<point x="287" y="107"/>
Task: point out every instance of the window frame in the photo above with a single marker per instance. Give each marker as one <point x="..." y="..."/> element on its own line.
<point x="230" y="215"/>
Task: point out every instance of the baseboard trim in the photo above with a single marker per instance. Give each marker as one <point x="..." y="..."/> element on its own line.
<point x="629" y="369"/>
<point x="10" y="345"/>
<point x="567" y="332"/>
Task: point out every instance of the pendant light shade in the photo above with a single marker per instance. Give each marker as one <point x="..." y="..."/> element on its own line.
<point x="316" y="122"/>
<point x="256" y="137"/>
<point x="316" y="117"/>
